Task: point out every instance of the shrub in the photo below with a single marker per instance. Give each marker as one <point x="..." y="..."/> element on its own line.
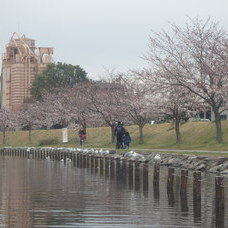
<point x="48" y="142"/>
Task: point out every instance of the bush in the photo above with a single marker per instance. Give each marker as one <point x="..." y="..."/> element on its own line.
<point x="48" y="142"/>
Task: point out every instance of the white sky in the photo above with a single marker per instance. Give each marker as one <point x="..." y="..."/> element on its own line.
<point x="100" y="34"/>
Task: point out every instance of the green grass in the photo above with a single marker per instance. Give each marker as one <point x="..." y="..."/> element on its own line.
<point x="195" y="136"/>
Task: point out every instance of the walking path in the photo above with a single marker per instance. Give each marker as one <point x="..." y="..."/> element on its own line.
<point x="177" y="150"/>
<point x="185" y="151"/>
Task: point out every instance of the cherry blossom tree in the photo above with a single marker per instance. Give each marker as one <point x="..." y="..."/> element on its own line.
<point x="30" y="117"/>
<point x="104" y="100"/>
<point x="78" y="106"/>
<point x="196" y="58"/>
<point x="7" y="122"/>
<point x="55" y="109"/>
<point x="138" y="102"/>
<point x="177" y="104"/>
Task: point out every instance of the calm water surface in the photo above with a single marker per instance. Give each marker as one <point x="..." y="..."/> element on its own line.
<point x="48" y="193"/>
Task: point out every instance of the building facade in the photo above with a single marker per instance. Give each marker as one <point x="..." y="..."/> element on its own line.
<point x="20" y="63"/>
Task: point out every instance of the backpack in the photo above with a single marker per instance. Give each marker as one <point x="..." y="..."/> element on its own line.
<point x="127" y="138"/>
<point x="119" y="129"/>
<point x="83" y="136"/>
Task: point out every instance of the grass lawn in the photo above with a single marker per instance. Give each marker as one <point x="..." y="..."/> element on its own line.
<point x="195" y="136"/>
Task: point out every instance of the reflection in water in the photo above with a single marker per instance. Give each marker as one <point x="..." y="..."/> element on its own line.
<point x="108" y="193"/>
<point x="112" y="169"/>
<point x="130" y="174"/>
<point x="156" y="183"/>
<point x="96" y="164"/>
<point x="124" y="171"/>
<point x="170" y="192"/>
<point x="197" y="196"/>
<point x="183" y="191"/>
<point x="145" y="180"/>
<point x="106" y="170"/>
<point x="101" y="165"/>
<point x="219" y="201"/>
<point x="137" y="176"/>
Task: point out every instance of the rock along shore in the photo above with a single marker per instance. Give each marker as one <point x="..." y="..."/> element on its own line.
<point x="189" y="162"/>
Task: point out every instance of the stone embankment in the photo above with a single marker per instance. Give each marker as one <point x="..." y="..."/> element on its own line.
<point x="189" y="162"/>
<point x="199" y="163"/>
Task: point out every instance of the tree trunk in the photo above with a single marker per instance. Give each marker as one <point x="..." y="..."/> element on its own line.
<point x="112" y="133"/>
<point x="4" y="136"/>
<point x="140" y="134"/>
<point x="177" y="131"/>
<point x="84" y="126"/>
<point x="219" y="136"/>
<point x="30" y="135"/>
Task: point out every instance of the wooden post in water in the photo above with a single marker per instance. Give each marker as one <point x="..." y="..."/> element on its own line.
<point x="73" y="158"/>
<point x="112" y="168"/>
<point x="84" y="161"/>
<point x="59" y="155"/>
<point x="41" y="154"/>
<point x="124" y="170"/>
<point x="106" y="166"/>
<point x="118" y="168"/>
<point x="145" y="179"/>
<point x="197" y="196"/>
<point x="92" y="164"/>
<point x="38" y="154"/>
<point x="78" y="159"/>
<point x="102" y="166"/>
<point x="44" y="153"/>
<point x="88" y="161"/>
<point x="219" y="202"/>
<point x="131" y="174"/>
<point x="170" y="182"/>
<point x="81" y="160"/>
<point x="96" y="165"/>
<point x="156" y="182"/>
<point x="137" y="175"/>
<point x="183" y="191"/>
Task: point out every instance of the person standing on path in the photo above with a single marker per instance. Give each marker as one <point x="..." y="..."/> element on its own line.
<point x="126" y="140"/>
<point x="82" y="136"/>
<point x="119" y="132"/>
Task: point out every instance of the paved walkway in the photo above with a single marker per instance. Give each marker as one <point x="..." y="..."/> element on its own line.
<point x="176" y="150"/>
<point x="184" y="151"/>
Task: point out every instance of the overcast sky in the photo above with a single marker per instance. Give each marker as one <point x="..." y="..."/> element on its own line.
<point x="100" y="34"/>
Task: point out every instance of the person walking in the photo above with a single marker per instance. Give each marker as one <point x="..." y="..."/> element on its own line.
<point x="119" y="132"/>
<point x="82" y="136"/>
<point x="126" y="140"/>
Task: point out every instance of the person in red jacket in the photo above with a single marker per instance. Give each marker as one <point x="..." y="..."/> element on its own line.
<point x="82" y="136"/>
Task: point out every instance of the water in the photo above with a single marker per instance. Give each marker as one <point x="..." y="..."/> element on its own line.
<point x="49" y="193"/>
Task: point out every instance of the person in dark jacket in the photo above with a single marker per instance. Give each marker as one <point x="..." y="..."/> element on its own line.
<point x="126" y="140"/>
<point x="119" y="132"/>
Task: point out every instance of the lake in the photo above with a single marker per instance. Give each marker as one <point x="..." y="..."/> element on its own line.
<point x="51" y="193"/>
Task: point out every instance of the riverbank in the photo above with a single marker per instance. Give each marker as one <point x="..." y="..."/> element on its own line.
<point x="192" y="162"/>
<point x="217" y="165"/>
<point x="183" y="161"/>
<point x="195" y="136"/>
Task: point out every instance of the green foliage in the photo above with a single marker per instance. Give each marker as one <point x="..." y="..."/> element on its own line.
<point x="44" y="142"/>
<point x="55" y="77"/>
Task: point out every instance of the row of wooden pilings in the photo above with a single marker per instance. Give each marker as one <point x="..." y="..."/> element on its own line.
<point x="136" y="172"/>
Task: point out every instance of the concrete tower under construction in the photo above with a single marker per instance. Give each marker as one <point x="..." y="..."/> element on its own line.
<point x="21" y="61"/>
